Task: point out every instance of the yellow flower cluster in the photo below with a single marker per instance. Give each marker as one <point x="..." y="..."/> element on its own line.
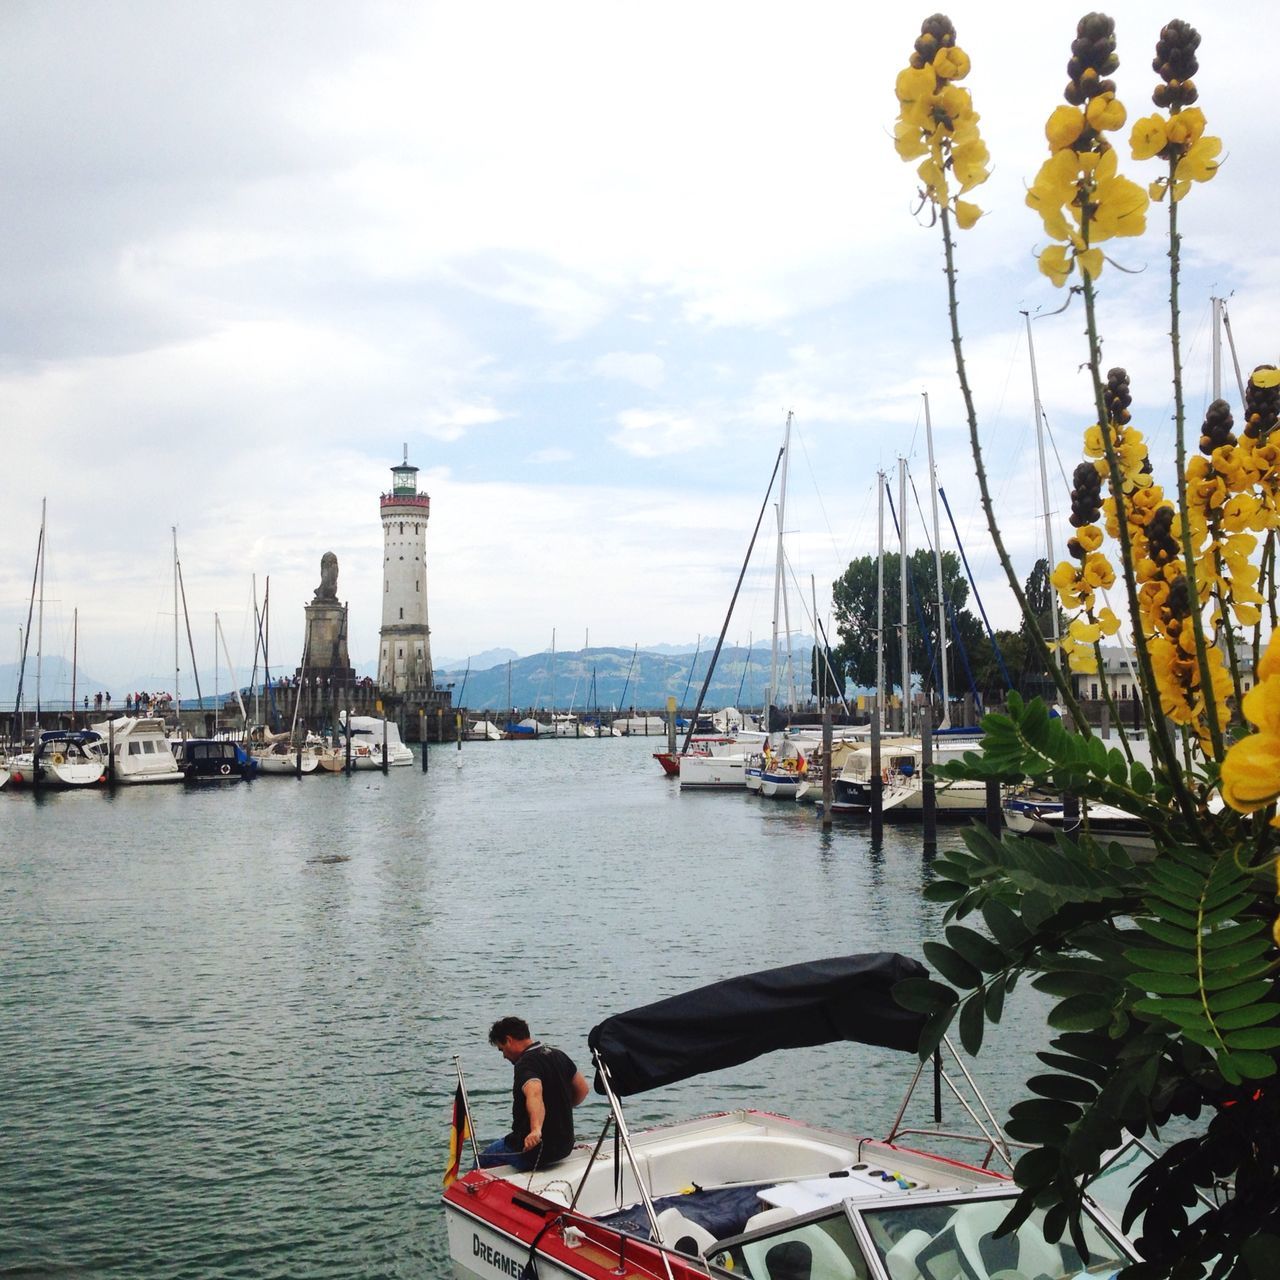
<point x="1182" y="140"/>
<point x="1079" y="194"/>
<point x="937" y="124"/>
<point x="1251" y="768"/>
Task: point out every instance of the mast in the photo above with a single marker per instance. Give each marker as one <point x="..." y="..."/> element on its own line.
<point x="191" y="644"/>
<point x="24" y="637"/>
<point x="1044" y="481"/>
<point x="902" y="587"/>
<point x="1217" y="348"/>
<point x="75" y="654"/>
<point x="177" y="669"/>
<point x="945" y="722"/>
<point x="882" y="480"/>
<point x="553" y="674"/>
<point x="779" y="588"/>
<point x="40" y="618"/>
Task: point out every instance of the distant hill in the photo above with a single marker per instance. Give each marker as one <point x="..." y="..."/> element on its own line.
<point x="479" y="661"/>
<point x="608" y="678"/>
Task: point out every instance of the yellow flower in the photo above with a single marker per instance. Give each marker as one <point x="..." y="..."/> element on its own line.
<point x="1269" y="663"/>
<point x="1265" y="377"/>
<point x="952" y="63"/>
<point x="1149" y="137"/>
<point x="1089" y="536"/>
<point x="1084" y="631"/>
<point x="1056" y="264"/>
<point x="914" y="87"/>
<point x="1098" y="572"/>
<point x="1064" y="126"/>
<point x="1108" y="622"/>
<point x="969" y="162"/>
<point x="1186" y="126"/>
<point x="1121" y="204"/>
<point x="1251" y="772"/>
<point x="1200" y="162"/>
<point x="1105" y="111"/>
<point x="966" y="214"/>
<point x="1090" y="261"/>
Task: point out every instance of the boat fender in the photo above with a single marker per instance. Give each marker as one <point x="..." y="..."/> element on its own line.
<point x="58" y="757"/>
<point x="224" y="769"/>
<point x="16" y="777"/>
<point x="884" y="775"/>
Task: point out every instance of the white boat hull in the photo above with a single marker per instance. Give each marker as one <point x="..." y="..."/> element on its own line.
<point x="713" y="773"/>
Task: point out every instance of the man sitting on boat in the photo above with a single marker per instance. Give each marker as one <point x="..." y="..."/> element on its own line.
<point x="545" y="1089"/>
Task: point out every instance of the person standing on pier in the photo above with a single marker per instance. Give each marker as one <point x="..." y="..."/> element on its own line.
<point x="545" y="1090"/>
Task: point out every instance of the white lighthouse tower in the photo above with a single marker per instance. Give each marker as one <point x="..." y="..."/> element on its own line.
<point x="404" y="648"/>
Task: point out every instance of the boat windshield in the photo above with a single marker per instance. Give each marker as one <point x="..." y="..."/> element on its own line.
<point x="956" y="1240"/>
<point x="934" y="1240"/>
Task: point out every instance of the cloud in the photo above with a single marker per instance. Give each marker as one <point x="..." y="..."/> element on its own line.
<point x="642" y="368"/>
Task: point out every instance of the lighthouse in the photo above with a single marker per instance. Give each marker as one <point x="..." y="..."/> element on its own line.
<point x="404" y="641"/>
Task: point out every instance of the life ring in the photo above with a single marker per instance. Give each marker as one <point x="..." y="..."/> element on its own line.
<point x="224" y="769"/>
<point x="58" y="758"/>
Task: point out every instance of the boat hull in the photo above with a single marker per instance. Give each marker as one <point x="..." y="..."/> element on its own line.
<point x="713" y="773"/>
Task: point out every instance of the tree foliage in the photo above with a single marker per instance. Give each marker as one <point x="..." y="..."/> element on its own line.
<point x="854" y="599"/>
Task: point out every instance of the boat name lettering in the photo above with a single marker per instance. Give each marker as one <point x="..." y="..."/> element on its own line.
<point x="495" y="1258"/>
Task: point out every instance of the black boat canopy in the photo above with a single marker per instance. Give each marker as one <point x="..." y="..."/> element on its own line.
<point x="731" y="1022"/>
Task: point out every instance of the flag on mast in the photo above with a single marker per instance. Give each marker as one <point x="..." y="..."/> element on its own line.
<point x="459" y="1136"/>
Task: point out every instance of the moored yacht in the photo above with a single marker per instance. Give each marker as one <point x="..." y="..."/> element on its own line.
<point x="368" y="733"/>
<point x="61" y="758"/>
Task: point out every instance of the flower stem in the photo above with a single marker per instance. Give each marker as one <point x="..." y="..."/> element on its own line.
<point x="1207" y="690"/>
<point x="1150" y="690"/>
<point x="1033" y="627"/>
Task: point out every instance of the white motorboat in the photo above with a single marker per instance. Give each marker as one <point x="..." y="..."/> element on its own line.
<point x="281" y="758"/>
<point x="749" y="1193"/>
<point x="645" y="726"/>
<point x="371" y="732"/>
<point x="902" y="782"/>
<point x="483" y="731"/>
<point x="139" y="750"/>
<point x="1045" y="816"/>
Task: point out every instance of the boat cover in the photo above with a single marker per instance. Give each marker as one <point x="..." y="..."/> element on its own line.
<point x="731" y="1022"/>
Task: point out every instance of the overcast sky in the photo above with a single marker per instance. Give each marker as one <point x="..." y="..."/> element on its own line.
<point x="582" y="259"/>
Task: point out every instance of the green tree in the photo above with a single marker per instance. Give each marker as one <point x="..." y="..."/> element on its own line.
<point x="854" y="599"/>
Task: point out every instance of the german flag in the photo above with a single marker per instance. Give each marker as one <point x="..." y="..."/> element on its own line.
<point x="459" y="1136"/>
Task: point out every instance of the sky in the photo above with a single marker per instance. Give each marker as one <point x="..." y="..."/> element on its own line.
<point x="581" y="260"/>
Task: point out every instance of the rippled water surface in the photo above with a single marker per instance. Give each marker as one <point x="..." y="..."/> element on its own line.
<point x="228" y="1017"/>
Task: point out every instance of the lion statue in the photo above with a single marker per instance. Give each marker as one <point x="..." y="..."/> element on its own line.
<point x="328" y="588"/>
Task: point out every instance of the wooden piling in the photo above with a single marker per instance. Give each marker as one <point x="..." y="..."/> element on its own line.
<point x="422" y="736"/>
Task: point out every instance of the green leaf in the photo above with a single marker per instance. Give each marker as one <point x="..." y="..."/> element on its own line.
<point x="1167" y="984"/>
<point x="1140" y="778"/>
<point x="923" y="995"/>
<point x="1070" y="983"/>
<point x="952" y="966"/>
<point x="1253" y="1015"/>
<point x="1174" y="935"/>
<point x="1037" y="1168"/>
<point x="935" y="1028"/>
<point x="972" y="1023"/>
<point x="1222" y="938"/>
<point x="1253" y="1037"/>
<point x="1081" y="1013"/>
<point x="1159" y="961"/>
<point x="1063" y="1088"/>
<point x="979" y="951"/>
<point x="1238" y="997"/>
<point x="994" y="1003"/>
<point x="1251" y="1066"/>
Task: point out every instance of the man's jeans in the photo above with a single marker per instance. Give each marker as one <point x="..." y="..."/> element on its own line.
<point x="498" y="1153"/>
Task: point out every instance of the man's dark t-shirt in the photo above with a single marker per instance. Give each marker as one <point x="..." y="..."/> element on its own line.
<point x="556" y="1071"/>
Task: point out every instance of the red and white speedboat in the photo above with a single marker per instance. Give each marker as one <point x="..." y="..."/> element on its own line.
<point x="746" y="1193"/>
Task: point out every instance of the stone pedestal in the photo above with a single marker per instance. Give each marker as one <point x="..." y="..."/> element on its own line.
<point x="326" y="644"/>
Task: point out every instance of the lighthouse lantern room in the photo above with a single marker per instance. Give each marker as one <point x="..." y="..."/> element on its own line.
<point x="404" y="649"/>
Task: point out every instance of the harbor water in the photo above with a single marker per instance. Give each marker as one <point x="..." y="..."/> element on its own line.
<point x="228" y="1017"/>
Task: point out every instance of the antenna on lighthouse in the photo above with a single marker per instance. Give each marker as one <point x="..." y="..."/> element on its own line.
<point x="406" y="455"/>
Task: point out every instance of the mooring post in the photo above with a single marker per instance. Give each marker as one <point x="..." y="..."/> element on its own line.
<point x="877" y="779"/>
<point x="1070" y="815"/>
<point x="930" y="816"/>
<point x="348" y="735"/>
<point x="422" y="736"/>
<point x="385" y="765"/>
<point x="111" y="753"/>
<point x="457" y="729"/>
<point x="994" y="813"/>
<point x="827" y="772"/>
